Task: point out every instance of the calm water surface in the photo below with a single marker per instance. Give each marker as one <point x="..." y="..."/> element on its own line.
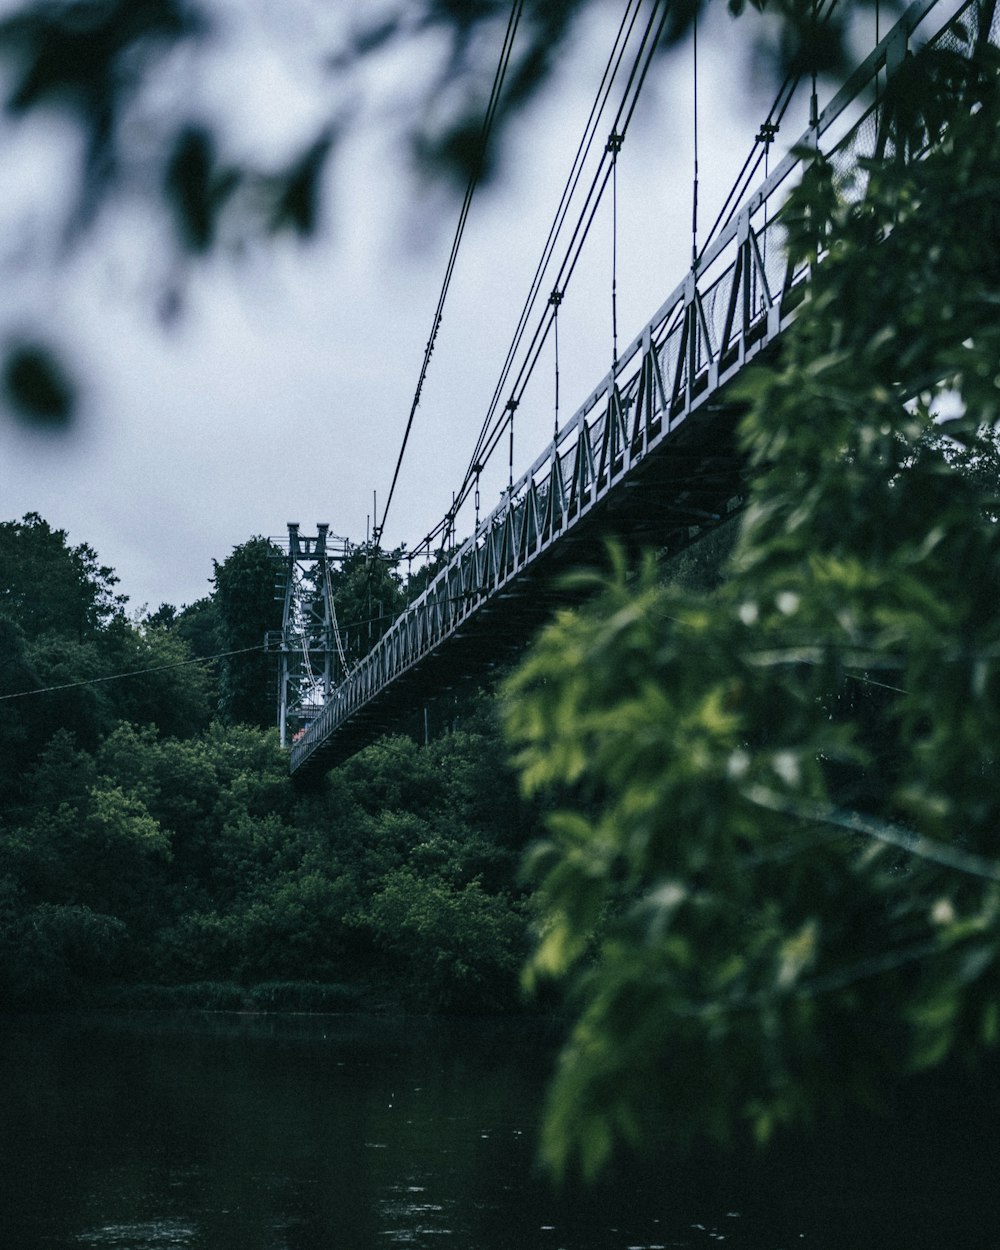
<point x="222" y="1132"/>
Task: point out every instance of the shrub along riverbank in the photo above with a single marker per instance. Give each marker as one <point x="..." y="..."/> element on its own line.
<point x="154" y="852"/>
<point x="164" y="872"/>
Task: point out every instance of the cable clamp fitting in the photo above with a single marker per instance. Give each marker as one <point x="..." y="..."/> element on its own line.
<point x="767" y="133"/>
<point x="614" y="143"/>
<point x="556" y="298"/>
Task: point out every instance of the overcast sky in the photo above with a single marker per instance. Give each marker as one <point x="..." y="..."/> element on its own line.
<point x="282" y="392"/>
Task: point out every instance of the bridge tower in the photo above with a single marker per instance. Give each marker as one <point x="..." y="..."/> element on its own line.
<point x="311" y="656"/>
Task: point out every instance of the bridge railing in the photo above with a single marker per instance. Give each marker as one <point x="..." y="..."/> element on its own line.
<point x="734" y="301"/>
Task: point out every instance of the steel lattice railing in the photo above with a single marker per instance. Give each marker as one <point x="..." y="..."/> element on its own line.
<point x="734" y="303"/>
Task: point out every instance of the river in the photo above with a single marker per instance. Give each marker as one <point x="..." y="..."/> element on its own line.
<point x="232" y="1132"/>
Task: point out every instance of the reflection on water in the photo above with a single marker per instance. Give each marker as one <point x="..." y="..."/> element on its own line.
<point x="153" y="1235"/>
<point x="222" y="1132"/>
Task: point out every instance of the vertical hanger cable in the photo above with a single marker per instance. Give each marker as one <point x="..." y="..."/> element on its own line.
<point x="614" y="146"/>
<point x="878" y="99"/>
<point x="511" y="408"/>
<point x="555" y="299"/>
<point x="694" y="194"/>
<point x="814" y="98"/>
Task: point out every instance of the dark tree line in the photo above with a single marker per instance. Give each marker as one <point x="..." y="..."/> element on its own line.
<point x="151" y="839"/>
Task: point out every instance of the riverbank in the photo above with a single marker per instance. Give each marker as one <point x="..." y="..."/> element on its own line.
<point x="295" y="997"/>
<point x="283" y="996"/>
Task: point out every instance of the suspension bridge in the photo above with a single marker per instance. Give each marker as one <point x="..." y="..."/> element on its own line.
<point x="650" y="456"/>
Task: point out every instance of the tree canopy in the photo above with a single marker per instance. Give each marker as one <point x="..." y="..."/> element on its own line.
<point x="153" y="849"/>
<point x="773" y="880"/>
<point x="248" y="588"/>
<point x="774" y="883"/>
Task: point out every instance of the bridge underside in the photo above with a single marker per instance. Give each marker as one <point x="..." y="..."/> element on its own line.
<point x="694" y="482"/>
<point x="650" y="458"/>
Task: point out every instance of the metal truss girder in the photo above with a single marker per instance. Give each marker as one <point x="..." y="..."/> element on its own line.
<point x="666" y="398"/>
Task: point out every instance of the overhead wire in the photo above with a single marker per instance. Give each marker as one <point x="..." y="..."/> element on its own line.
<point x="136" y="672"/>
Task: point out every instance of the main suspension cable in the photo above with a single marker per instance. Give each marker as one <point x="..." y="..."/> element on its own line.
<point x="611" y="71"/>
<point x="492" y="433"/>
<point x="497" y="421"/>
<point x="555" y="299"/>
<point x="694" y="94"/>
<point x="491" y="110"/>
<point x="765" y="137"/>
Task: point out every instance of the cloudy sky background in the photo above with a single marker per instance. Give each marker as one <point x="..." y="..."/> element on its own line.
<point x="282" y="391"/>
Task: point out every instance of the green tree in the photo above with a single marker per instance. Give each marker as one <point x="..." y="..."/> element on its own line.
<point x="155" y="679"/>
<point x="248" y="606"/>
<point x="49" y="953"/>
<point x="198" y="624"/>
<point x="177" y="784"/>
<point x="71" y="694"/>
<point x="47" y="586"/>
<point x="68" y="639"/>
<point x="776" y="885"/>
<point x="17" y="728"/>
<point x="368" y="595"/>
<point x="453" y="949"/>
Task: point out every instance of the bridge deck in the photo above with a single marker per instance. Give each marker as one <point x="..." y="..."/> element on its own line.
<point x="650" y="457"/>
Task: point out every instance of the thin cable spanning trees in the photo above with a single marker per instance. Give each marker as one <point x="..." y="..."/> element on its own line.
<point x="132" y="672"/>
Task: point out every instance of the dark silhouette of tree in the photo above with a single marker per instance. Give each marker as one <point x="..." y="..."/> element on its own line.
<point x="248" y="606"/>
<point x="48" y="586"/>
<point x="775" y="887"/>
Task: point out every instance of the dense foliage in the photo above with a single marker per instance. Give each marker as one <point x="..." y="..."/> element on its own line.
<point x="774" y="881"/>
<point x="151" y="838"/>
<point x="248" y="592"/>
<point x="775" y="884"/>
<point x="369" y="593"/>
